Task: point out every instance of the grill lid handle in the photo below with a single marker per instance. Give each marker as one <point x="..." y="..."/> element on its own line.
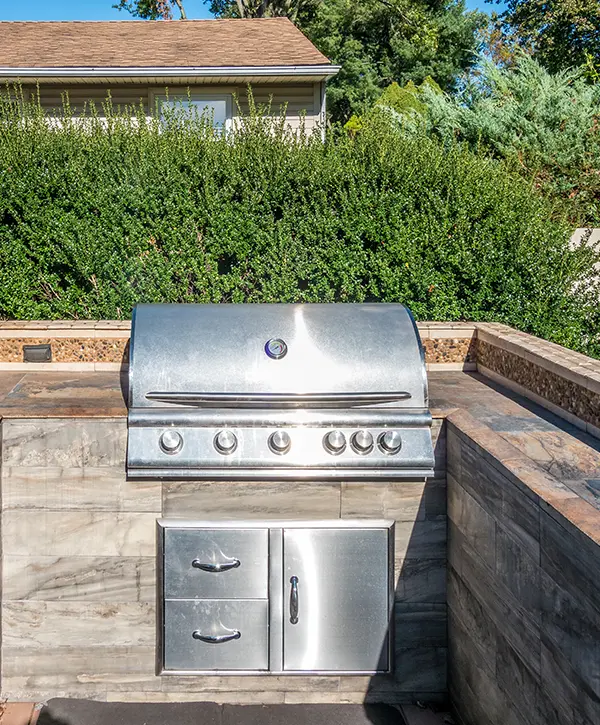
<point x="278" y="400"/>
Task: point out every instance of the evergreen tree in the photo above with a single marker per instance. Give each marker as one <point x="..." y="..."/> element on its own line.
<point x="560" y="34"/>
<point x="379" y="41"/>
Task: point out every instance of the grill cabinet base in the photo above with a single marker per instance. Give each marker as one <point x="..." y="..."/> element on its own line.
<point x="275" y="597"/>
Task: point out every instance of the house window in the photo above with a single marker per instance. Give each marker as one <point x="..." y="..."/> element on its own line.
<point x="215" y="108"/>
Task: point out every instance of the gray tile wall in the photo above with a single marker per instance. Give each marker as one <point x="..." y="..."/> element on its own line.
<point x="523" y="601"/>
<point x="78" y="570"/>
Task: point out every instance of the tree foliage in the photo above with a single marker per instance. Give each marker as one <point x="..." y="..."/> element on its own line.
<point x="545" y="126"/>
<point x="97" y="214"/>
<point x="152" y="9"/>
<point x="380" y="41"/>
<point x="560" y="34"/>
<point x="259" y="8"/>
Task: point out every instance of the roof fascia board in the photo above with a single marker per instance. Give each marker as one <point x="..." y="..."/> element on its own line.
<point x="187" y="71"/>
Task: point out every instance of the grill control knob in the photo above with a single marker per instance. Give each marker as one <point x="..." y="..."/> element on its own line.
<point x="225" y="442"/>
<point x="362" y="441"/>
<point x="280" y="442"/>
<point x="334" y="442"/>
<point x="171" y="442"/>
<point x="390" y="441"/>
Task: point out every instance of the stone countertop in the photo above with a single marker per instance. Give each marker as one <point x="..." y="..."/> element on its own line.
<point x="563" y="451"/>
<point x="63" y="395"/>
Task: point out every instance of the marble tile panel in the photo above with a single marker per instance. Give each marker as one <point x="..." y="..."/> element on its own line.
<point x="261" y="697"/>
<point x="371" y="697"/>
<point x="306" y="697"/>
<point x="453" y="454"/>
<point x="20" y="695"/>
<point x="519" y="572"/>
<point x="520" y="517"/>
<point x="401" y="682"/>
<point x="477" y="480"/>
<point x="225" y="500"/>
<point x="473" y="685"/>
<point x="420" y="580"/>
<point x="79" y="578"/>
<point x="506" y="502"/>
<point x="64" y="442"/>
<point x="519" y="684"/>
<point x="404" y="501"/>
<point x="73" y="670"/>
<point x="570" y="559"/>
<point x="421" y="625"/>
<point x="421" y="539"/>
<point x="560" y="684"/>
<point x="473" y="616"/>
<point x="8" y="381"/>
<point x="95" y="488"/>
<point x="229" y="683"/>
<point x="32" y="625"/>
<point x="73" y="533"/>
<point x="572" y="624"/>
<point x="504" y="609"/>
<point x="476" y="524"/>
<point x="421" y="669"/>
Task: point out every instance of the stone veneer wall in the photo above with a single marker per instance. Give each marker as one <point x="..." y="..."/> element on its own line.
<point x="566" y="382"/>
<point x="103" y="345"/>
<point x="523" y="595"/>
<point x="78" y="570"/>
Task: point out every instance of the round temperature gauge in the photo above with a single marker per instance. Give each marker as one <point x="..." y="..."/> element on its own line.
<point x="276" y="348"/>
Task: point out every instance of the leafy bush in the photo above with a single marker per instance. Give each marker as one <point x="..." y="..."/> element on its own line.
<point x="545" y="126"/>
<point x="97" y="216"/>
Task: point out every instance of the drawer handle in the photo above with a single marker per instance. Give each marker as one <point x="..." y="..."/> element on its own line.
<point x="216" y="568"/>
<point x="294" y="600"/>
<point x="216" y="638"/>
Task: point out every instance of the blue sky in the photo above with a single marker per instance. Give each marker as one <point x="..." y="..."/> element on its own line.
<point x="102" y="10"/>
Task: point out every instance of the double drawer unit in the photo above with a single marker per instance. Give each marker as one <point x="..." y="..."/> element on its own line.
<point x="275" y="597"/>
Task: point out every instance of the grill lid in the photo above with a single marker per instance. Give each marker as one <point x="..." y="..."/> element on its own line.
<point x="259" y="356"/>
<point x="277" y="391"/>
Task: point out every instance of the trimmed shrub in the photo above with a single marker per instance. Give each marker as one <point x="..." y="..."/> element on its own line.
<point x="545" y="126"/>
<point x="101" y="213"/>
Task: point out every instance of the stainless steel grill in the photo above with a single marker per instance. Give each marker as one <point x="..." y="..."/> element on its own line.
<point x="240" y="392"/>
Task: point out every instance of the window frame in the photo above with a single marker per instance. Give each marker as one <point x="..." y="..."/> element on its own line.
<point x="158" y="96"/>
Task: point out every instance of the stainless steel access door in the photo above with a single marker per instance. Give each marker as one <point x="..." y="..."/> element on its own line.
<point x="336" y="600"/>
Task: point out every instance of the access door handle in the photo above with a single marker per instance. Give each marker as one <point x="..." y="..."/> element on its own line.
<point x="294" y="600"/>
<point x="216" y="638"/>
<point x="216" y="568"/>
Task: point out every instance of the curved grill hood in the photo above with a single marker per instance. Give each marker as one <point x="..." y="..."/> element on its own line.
<point x="341" y="350"/>
<point x="313" y="367"/>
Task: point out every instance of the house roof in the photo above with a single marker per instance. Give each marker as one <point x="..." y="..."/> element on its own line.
<point x="265" y="42"/>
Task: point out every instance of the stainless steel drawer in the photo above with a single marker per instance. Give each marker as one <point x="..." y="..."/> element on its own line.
<point x="216" y="635"/>
<point x="216" y="563"/>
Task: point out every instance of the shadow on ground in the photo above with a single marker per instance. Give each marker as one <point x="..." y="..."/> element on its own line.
<point x="87" y="712"/>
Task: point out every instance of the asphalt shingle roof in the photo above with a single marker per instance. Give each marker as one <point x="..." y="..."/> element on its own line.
<point x="159" y="43"/>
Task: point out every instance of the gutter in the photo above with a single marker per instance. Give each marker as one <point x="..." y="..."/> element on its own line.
<point x="164" y="72"/>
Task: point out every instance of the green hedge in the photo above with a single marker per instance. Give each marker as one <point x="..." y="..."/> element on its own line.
<point x="95" y="218"/>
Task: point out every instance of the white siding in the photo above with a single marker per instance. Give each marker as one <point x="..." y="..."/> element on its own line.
<point x="298" y="98"/>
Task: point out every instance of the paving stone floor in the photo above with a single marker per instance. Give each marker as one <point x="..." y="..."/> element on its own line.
<point x="84" y="712"/>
